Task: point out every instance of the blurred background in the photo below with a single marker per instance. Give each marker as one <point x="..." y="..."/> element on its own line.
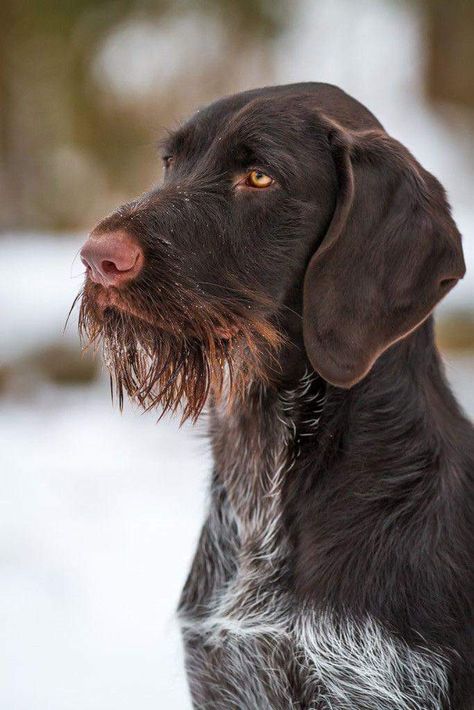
<point x="100" y="511"/>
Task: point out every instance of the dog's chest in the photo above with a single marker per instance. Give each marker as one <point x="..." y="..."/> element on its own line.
<point x="249" y="643"/>
<point x="236" y="608"/>
<point x="243" y="552"/>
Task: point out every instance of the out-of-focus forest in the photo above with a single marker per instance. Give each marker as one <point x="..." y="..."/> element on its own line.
<point x="87" y="86"/>
<point x="101" y="511"/>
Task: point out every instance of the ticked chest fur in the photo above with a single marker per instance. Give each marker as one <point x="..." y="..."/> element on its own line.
<point x="249" y="642"/>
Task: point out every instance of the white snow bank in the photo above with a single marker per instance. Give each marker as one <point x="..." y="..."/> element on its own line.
<point x="100" y="514"/>
<point x="41" y="275"/>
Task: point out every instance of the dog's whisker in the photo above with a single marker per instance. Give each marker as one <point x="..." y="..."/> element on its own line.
<point x="74" y="304"/>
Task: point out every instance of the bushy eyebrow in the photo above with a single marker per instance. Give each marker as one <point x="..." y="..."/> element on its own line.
<point x="167" y="145"/>
<point x="173" y="141"/>
<point x="267" y="156"/>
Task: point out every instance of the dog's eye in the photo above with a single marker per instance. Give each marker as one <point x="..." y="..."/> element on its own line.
<point x="258" y="179"/>
<point x="167" y="161"/>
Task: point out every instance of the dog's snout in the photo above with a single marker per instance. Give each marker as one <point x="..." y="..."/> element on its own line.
<point x="113" y="258"/>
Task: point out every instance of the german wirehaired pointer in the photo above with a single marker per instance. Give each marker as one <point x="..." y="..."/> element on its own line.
<point x="283" y="276"/>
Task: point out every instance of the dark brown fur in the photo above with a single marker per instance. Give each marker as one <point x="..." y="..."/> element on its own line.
<point x="342" y="498"/>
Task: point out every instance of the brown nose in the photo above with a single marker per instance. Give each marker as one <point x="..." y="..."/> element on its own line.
<point x="112" y="258"/>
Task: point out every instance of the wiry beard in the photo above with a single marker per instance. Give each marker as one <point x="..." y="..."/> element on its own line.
<point x="179" y="350"/>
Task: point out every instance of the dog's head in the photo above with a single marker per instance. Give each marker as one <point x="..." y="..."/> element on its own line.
<point x="284" y="214"/>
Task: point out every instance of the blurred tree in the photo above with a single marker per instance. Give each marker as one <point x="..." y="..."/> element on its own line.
<point x="450" y="52"/>
<point x="66" y="141"/>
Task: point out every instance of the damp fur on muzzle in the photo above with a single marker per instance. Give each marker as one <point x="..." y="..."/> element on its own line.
<point x="175" y="348"/>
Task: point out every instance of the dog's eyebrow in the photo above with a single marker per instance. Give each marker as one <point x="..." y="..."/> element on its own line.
<point x="245" y="154"/>
<point x="168" y="145"/>
<point x="175" y="141"/>
<point x="265" y="154"/>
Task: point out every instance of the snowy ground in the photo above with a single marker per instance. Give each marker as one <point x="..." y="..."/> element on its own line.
<point x="99" y="516"/>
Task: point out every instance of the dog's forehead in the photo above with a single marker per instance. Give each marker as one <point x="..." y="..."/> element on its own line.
<point x="258" y="119"/>
<point x="278" y="113"/>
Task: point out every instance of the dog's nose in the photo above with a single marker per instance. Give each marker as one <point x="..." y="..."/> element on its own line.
<point x="112" y="258"/>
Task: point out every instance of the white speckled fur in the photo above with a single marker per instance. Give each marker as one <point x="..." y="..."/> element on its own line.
<point x="249" y="644"/>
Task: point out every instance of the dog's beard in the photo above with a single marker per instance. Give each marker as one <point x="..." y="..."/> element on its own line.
<point x="177" y="352"/>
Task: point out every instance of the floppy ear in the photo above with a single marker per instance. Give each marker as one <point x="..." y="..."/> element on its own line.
<point x="391" y="253"/>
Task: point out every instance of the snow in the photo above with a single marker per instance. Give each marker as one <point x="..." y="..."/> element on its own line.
<point x="41" y="275"/>
<point x="100" y="513"/>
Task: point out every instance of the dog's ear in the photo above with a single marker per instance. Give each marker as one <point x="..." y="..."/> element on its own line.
<point x="391" y="252"/>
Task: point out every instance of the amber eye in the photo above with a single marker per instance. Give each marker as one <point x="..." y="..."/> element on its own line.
<point x="258" y="179"/>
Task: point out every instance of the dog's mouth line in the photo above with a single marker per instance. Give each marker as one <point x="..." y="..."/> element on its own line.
<point x="109" y="299"/>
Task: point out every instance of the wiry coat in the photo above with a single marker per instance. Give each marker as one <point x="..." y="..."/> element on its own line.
<point x="335" y="569"/>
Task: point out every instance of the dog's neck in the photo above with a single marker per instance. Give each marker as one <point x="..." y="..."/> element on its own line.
<point x="265" y="428"/>
<point x="257" y="440"/>
<point x="406" y="388"/>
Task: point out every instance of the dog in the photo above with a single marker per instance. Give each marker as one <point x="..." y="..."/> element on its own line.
<point x="283" y="277"/>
